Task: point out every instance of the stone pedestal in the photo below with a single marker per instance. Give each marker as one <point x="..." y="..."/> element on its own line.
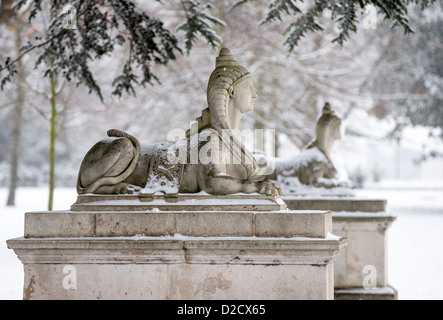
<point x="196" y="247"/>
<point x="361" y="269"/>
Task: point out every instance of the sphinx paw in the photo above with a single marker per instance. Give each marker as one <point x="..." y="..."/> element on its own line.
<point x="270" y="188"/>
<point x="125" y="188"/>
<point x="132" y="189"/>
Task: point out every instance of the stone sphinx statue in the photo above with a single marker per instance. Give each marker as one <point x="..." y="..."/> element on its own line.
<point x="120" y="164"/>
<point x="313" y="166"/>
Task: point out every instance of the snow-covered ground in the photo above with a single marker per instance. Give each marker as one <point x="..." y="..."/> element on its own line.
<point x="12" y="226"/>
<point x="415" y="257"/>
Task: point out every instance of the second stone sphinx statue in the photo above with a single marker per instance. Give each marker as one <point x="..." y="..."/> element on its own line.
<point x="313" y="167"/>
<point x="120" y="164"/>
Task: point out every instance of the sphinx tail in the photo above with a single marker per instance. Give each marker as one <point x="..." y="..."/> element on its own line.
<point x="122" y="176"/>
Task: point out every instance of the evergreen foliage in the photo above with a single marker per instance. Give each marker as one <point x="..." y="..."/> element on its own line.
<point x="199" y="22"/>
<point x="100" y="27"/>
<point x="345" y="13"/>
<point x="103" y="25"/>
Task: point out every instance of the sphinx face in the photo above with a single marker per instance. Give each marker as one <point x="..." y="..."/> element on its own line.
<point x="244" y="96"/>
<point x="337" y="130"/>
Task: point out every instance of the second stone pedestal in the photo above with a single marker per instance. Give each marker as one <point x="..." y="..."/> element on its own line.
<point x="361" y="269"/>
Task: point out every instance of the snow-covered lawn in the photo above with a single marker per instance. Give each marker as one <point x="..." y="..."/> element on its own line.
<point x="12" y="226"/>
<point x="415" y="256"/>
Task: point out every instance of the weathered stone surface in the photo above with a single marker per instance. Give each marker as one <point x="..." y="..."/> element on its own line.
<point x="180" y="282"/>
<point x="367" y="247"/>
<point x="126" y="224"/>
<point x="178" y="249"/>
<point x="287" y="223"/>
<point x="364" y="222"/>
<point x="96" y="282"/>
<point x="384" y="293"/>
<point x="293" y="223"/>
<point x="349" y="204"/>
<point x="214" y="224"/>
<point x="184" y="201"/>
<point x="59" y="223"/>
<point x="98" y="250"/>
<point x="258" y="282"/>
<point x="183" y="255"/>
<point x="179" y="267"/>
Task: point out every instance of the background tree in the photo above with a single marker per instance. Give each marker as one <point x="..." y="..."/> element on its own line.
<point x="103" y="25"/>
<point x="412" y="66"/>
<point x="15" y="22"/>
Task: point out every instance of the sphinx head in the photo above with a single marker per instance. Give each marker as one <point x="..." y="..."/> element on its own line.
<point x="230" y="89"/>
<point x="329" y="129"/>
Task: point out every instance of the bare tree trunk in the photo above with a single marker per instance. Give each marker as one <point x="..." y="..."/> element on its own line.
<point x="276" y="145"/>
<point x="17" y="118"/>
<point x="52" y="138"/>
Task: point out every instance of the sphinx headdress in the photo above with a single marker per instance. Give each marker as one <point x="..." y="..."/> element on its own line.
<point x="228" y="72"/>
